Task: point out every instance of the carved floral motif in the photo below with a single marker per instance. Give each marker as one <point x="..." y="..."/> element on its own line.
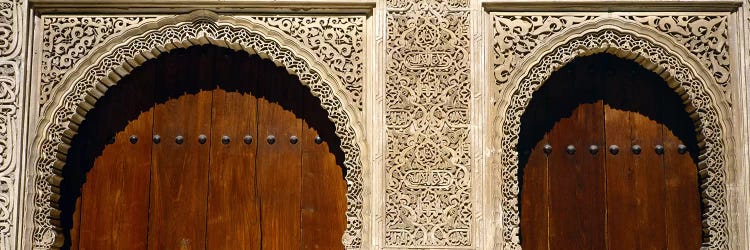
<point x="428" y="171"/>
<point x="8" y="132"/>
<point x="11" y="56"/>
<point x="704" y="36"/>
<point x="337" y="41"/>
<point x="65" y="40"/>
<point x="516" y="36"/>
<point x="9" y="25"/>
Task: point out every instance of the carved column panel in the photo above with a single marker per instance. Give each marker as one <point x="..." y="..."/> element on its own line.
<point x="428" y="171"/>
<point x="11" y="75"/>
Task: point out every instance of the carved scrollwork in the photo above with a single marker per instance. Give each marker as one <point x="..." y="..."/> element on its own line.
<point x="337" y="41"/>
<point x="704" y="36"/>
<point x="671" y="65"/>
<point x="516" y="36"/>
<point x="10" y="11"/>
<point x="65" y="40"/>
<point x="428" y="172"/>
<point x="11" y="56"/>
<point x="106" y="64"/>
<point x="8" y="132"/>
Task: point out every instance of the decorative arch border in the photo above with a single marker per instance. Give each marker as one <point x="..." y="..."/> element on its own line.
<point x="656" y="52"/>
<point x="111" y="61"/>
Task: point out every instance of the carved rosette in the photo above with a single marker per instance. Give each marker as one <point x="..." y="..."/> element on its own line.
<point x="337" y="41"/>
<point x="682" y="76"/>
<point x="428" y="171"/>
<point x="79" y="90"/>
<point x="66" y="40"/>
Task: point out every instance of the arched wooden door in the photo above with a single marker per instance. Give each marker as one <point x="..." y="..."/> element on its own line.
<point x="608" y="158"/>
<point x="206" y="148"/>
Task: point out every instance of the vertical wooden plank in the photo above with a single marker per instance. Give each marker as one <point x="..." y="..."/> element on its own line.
<point x="647" y="165"/>
<point x="576" y="180"/>
<point x="116" y="192"/>
<point x="76" y="227"/>
<point x="323" y="219"/>
<point x="179" y="172"/>
<point x="279" y="164"/>
<point x="622" y="209"/>
<point x="591" y="171"/>
<point x="534" y="174"/>
<point x="233" y="207"/>
<point x="563" y="213"/>
<point x="683" y="208"/>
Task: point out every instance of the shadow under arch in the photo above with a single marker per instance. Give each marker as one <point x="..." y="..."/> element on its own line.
<point x="656" y="52"/>
<point x="108" y="63"/>
<point x="547" y="100"/>
<point x="111" y="116"/>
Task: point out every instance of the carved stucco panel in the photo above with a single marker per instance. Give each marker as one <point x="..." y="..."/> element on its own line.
<point x="78" y="93"/>
<point x="11" y="57"/>
<point x="67" y="39"/>
<point x="9" y="130"/>
<point x="704" y="36"/>
<point x="337" y="41"/>
<point x="10" y="25"/>
<point x="516" y="36"/>
<point x="428" y="161"/>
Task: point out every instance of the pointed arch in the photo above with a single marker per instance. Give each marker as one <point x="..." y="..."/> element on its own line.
<point x="89" y="80"/>
<point x="656" y="52"/>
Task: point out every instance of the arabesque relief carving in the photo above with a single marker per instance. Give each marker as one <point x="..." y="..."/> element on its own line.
<point x="516" y="36"/>
<point x="106" y="64"/>
<point x="704" y="36"/>
<point x="694" y="85"/>
<point x="11" y="59"/>
<point x="67" y="39"/>
<point x="9" y="131"/>
<point x="337" y="41"/>
<point x="428" y="159"/>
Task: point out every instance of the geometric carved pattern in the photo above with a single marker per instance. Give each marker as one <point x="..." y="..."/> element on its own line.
<point x="68" y="39"/>
<point x="661" y="60"/>
<point x="517" y="36"/>
<point x="105" y="66"/>
<point x="428" y="90"/>
<point x="704" y="36"/>
<point x="11" y="56"/>
<point x="337" y="41"/>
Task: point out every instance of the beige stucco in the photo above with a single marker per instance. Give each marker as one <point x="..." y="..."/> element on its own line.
<point x="385" y="80"/>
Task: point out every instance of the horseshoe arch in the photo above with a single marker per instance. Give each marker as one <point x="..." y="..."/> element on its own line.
<point x="656" y="52"/>
<point x="90" y="78"/>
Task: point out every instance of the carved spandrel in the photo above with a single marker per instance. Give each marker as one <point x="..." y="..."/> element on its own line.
<point x="704" y="36"/>
<point x="337" y="41"/>
<point x="66" y="40"/>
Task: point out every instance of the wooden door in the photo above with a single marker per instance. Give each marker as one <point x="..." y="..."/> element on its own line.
<point x="206" y="148"/>
<point x="608" y="161"/>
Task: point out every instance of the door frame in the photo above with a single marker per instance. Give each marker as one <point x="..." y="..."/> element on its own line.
<point x="656" y="52"/>
<point x="109" y="62"/>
